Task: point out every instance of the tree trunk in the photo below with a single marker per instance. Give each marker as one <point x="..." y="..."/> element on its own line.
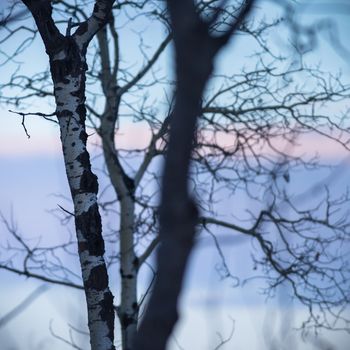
<point x="128" y="310"/>
<point x="195" y="49"/>
<point x="124" y="188"/>
<point x="68" y="68"/>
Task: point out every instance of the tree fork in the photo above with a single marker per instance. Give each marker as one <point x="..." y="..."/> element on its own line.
<point x="124" y="188"/>
<point x="68" y="67"/>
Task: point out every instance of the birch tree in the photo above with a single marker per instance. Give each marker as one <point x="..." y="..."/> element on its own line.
<point x="67" y="55"/>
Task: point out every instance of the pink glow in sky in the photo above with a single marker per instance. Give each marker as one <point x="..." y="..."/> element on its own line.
<point x="45" y="140"/>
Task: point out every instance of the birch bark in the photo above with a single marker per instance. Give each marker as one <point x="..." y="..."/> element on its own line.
<point x="124" y="188"/>
<point x="67" y="55"/>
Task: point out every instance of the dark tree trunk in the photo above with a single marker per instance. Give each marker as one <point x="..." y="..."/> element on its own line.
<point x="195" y="50"/>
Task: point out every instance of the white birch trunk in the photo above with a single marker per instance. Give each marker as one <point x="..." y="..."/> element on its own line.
<point x="68" y="66"/>
<point x="124" y="188"/>
<point x="69" y="84"/>
<point x="128" y="310"/>
<point x="123" y="185"/>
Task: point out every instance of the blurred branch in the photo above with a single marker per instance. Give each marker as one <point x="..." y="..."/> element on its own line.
<point x="21" y="307"/>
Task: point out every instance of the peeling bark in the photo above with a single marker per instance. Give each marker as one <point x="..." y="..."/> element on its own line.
<point x="68" y="72"/>
<point x="68" y="67"/>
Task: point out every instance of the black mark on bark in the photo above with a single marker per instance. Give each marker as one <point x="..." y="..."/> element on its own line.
<point x="98" y="278"/>
<point x="89" y="224"/>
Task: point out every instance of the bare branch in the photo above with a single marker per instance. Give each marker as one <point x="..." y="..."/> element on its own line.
<point x="148" y="66"/>
<point x="41" y="278"/>
<point x="23" y="305"/>
<point x="87" y="30"/>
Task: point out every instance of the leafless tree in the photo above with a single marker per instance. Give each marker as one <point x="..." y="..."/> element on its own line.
<point x="195" y="49"/>
<point x="67" y="55"/>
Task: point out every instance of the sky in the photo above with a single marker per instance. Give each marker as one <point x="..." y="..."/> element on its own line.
<point x="32" y="174"/>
